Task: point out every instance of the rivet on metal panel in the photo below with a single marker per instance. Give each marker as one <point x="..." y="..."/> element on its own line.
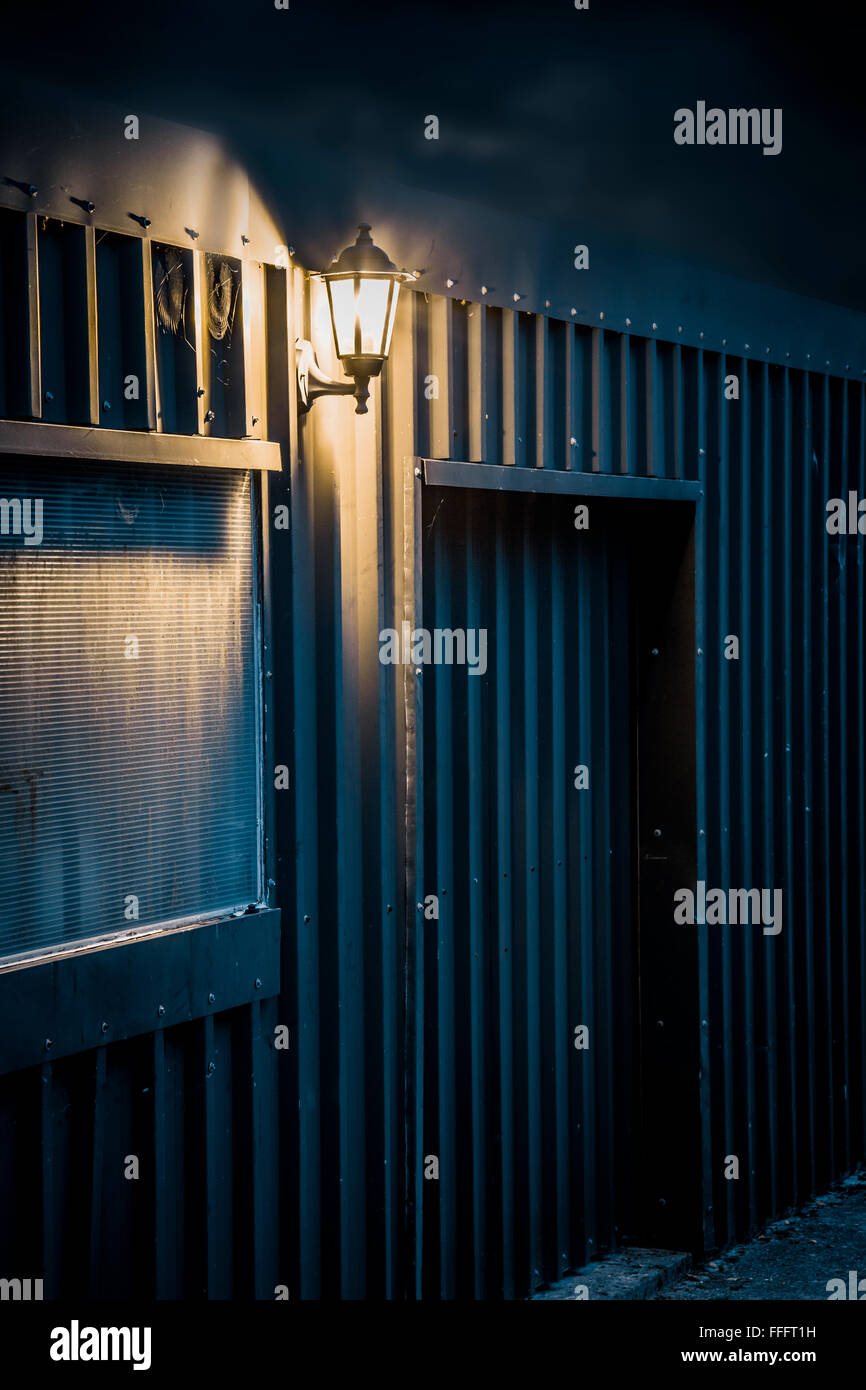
<point x="572" y="312"/>
<point x="307" y="917"/>
<point x="106" y="405"/>
<point x="49" y="395"/>
<point x="679" y="328"/>
<point x="654" y="652"/>
<point x="660" y="1023"/>
<point x="258" y="982"/>
<point x="724" y="342"/>
<point x="388" y="907"/>
<point x="547" y="303"/>
<point x="700" y="651"/>
<point x="702" y="451"/>
<point x="211" y="1068"/>
<point x="704" y="1023"/>
<point x="419" y="907"/>
<point x="417" y="472"/>
<point x="483" y="289"/>
<point x="516" y="296"/>
<point x="601" y="315"/>
<point x="160" y="1009"/>
<point x="746" y="346"/>
<point x="573" y="442"/>
<point x="658" y="834"/>
<point x="700" y="335"/>
<point x="418" y="671"/>
<point x="662" y="1202"/>
<point x="826" y="364"/>
<point x="768" y="351"/>
<point x="105" y="1028"/>
<point x="211" y="999"/>
<point x="48" y="1044"/>
<point x="450" y="283"/>
<point x="654" y="327"/>
<point x="808" y="357"/>
<point x="700" y="832"/>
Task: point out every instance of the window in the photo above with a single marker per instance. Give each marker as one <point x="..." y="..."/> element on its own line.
<point x="130" y="724"/>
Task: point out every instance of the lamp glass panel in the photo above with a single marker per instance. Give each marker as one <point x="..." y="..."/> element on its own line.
<point x="342" y="296"/>
<point x="372" y="309"/>
<point x="386" y="346"/>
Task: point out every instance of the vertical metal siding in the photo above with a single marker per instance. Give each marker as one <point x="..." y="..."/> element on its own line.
<point x="412" y="1037"/>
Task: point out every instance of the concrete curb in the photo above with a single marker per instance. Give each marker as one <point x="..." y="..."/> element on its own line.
<point x="628" y="1275"/>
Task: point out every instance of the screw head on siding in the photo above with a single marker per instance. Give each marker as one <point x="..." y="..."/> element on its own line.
<point x="660" y="1023"/>
<point x="418" y="671"/>
<point x="449" y="283"/>
<point x="160" y="1009"/>
<point x="679" y="328"/>
<point x="211" y="999"/>
<point x="654" y="652"/>
<point x="662" y="1202"/>
<point x="628" y="323"/>
<point x="724" y="342"/>
<point x="746" y="347"/>
<point x="104" y="1027"/>
<point x="572" y="312"/>
<point x="654" y="327"/>
<point x="211" y="1068"/>
<point x="48" y="1044"/>
<point x="483" y="289"/>
<point x="601" y="315"/>
<point x="307" y="917"/>
<point x="258" y="982"/>
<point x="49" y="395"/>
<point x="658" y="834"/>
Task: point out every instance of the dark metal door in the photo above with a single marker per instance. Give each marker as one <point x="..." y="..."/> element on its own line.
<point x="521" y="994"/>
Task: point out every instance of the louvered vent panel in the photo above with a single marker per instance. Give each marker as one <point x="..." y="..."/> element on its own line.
<point x="129" y="723"/>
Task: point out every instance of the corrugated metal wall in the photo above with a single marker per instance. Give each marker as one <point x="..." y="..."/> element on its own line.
<point x="777" y="1022"/>
<point x="384" y="1066"/>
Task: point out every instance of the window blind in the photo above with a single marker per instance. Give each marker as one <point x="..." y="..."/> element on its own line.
<point x="129" y="707"/>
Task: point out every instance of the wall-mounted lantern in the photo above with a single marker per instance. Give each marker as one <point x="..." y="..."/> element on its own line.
<point x="363" y="286"/>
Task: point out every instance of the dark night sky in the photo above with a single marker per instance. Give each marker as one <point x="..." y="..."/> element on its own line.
<point x="542" y="108"/>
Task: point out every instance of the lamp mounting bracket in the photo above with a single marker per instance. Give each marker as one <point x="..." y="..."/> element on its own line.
<point x="313" y="382"/>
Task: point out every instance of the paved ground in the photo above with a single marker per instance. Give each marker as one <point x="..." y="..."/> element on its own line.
<point x="792" y="1259"/>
